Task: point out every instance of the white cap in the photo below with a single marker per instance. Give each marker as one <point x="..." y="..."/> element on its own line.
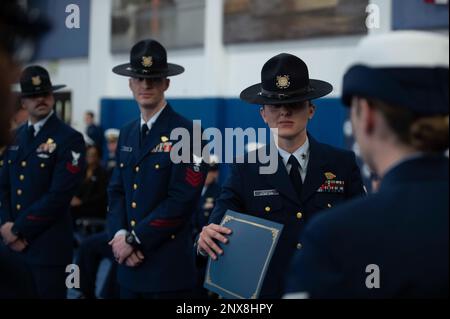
<point x="112" y="133"/>
<point x="403" y="49"/>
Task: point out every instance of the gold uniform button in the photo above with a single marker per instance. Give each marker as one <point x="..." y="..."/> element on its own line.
<point x="156" y="166"/>
<point x="18" y="206"/>
<point x="1" y="163"/>
<point x="21" y="177"/>
<point x="121" y="165"/>
<point x="299" y="246"/>
<point x="135" y="186"/>
<point x="23" y="164"/>
<point x="329" y="205"/>
<point x="133" y="223"/>
<point x="19" y="192"/>
<point x="299" y="215"/>
<point x="133" y="205"/>
<point x="9" y="161"/>
<point x="42" y="165"/>
<point x="172" y="236"/>
<point x="267" y="209"/>
<point x="206" y="214"/>
<point x="137" y="169"/>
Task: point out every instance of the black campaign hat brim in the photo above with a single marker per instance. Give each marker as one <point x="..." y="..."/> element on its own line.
<point x="253" y="94"/>
<point x="127" y="70"/>
<point x="52" y="89"/>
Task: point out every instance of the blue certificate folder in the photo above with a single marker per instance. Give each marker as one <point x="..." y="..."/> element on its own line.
<point x="239" y="273"/>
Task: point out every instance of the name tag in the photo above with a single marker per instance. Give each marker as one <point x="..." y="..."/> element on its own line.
<point x="126" y="149"/>
<point x="265" y="192"/>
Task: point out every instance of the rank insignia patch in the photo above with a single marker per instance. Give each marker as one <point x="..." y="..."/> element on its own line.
<point x="193" y="178"/>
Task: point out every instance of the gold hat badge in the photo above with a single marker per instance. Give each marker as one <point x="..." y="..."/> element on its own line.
<point x="147" y="61"/>
<point x="164" y="139"/>
<point x="36" y="80"/>
<point x="283" y="81"/>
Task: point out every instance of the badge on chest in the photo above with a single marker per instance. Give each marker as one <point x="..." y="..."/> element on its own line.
<point x="45" y="149"/>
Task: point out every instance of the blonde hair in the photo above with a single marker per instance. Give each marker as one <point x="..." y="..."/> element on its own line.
<point x="428" y="134"/>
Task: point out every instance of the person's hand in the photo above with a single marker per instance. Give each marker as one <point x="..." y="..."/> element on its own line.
<point x="19" y="245"/>
<point x="135" y="259"/>
<point x="121" y="249"/>
<point x="7" y="235"/>
<point x="75" y="202"/>
<point x="206" y="239"/>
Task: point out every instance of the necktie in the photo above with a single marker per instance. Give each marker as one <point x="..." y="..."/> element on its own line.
<point x="144" y="133"/>
<point x="294" y="175"/>
<point x="30" y="132"/>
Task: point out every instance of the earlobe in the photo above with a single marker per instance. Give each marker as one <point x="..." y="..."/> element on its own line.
<point x="368" y="115"/>
<point x="261" y="112"/>
<point x="167" y="84"/>
<point x="312" y="110"/>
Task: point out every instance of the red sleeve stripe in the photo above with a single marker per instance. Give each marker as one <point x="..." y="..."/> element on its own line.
<point x="166" y="222"/>
<point x="37" y="218"/>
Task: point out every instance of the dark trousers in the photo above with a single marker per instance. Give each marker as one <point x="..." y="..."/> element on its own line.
<point x="50" y="281"/>
<point x="128" y="294"/>
<point x="91" y="252"/>
<point x="16" y="279"/>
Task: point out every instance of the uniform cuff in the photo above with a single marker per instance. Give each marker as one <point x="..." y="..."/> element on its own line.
<point x="121" y="232"/>
<point x="136" y="237"/>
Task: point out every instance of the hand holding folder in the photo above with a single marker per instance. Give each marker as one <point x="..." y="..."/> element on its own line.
<point x="240" y="271"/>
<point x="208" y="237"/>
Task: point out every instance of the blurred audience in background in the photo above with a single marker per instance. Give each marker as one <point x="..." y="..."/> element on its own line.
<point x="88" y="206"/>
<point x="112" y="137"/>
<point x="94" y="132"/>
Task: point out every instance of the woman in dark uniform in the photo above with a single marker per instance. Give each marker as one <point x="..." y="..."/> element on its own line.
<point x="392" y="244"/>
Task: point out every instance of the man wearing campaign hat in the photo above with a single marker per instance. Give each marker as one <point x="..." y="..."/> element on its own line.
<point x="392" y="244"/>
<point x="311" y="176"/>
<point x="41" y="171"/>
<point x="151" y="199"/>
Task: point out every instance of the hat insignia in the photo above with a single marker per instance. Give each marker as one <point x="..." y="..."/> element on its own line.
<point x="283" y="81"/>
<point x="147" y="61"/>
<point x="36" y="80"/>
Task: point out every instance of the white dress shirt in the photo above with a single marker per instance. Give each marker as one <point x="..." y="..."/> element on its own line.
<point x="152" y="120"/>
<point x="38" y="125"/>
<point x="302" y="156"/>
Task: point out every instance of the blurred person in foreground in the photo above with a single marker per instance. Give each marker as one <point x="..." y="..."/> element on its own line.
<point x="19" y="34"/>
<point x="394" y="243"/>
